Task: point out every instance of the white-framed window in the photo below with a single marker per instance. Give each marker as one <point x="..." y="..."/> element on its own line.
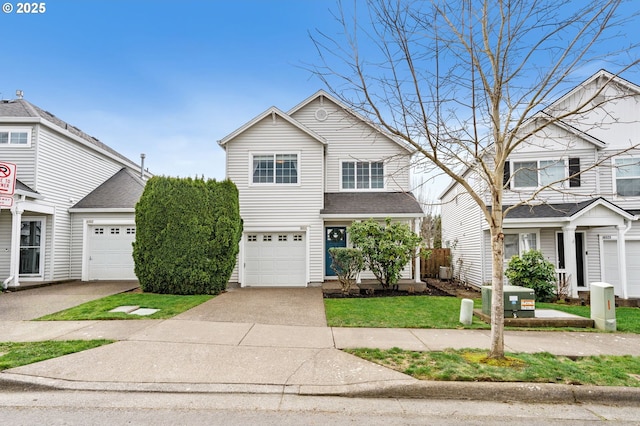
<point x="362" y="175"/>
<point x="266" y="238"/>
<point x="536" y="173"/>
<point x="282" y="238"/>
<point x="32" y="234"/>
<point x="15" y="136"/>
<point x="275" y="168"/>
<point x="98" y="231"/>
<point x="516" y="243"/>
<point x="131" y="231"/>
<point x="114" y="231"/>
<point x="297" y="237"/>
<point x="252" y="238"/>
<point x="627" y="176"/>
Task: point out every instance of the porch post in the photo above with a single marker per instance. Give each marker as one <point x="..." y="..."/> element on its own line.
<point x="16" y="221"/>
<point x="622" y="260"/>
<point x="570" y="264"/>
<point x="416" y="268"/>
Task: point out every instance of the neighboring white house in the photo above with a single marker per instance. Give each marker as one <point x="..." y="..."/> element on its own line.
<point x="73" y="209"/>
<point x="303" y="177"/>
<point x="588" y="225"/>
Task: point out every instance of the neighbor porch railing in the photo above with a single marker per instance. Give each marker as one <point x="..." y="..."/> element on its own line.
<point x="563" y="283"/>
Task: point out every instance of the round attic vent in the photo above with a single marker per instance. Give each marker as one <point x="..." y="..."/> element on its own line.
<point x="321" y="114"/>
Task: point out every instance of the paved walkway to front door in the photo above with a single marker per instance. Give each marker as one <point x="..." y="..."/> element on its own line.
<point x="278" y="306"/>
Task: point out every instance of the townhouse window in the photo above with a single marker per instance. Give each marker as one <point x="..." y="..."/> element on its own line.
<point x="275" y="168"/>
<point x="362" y="175"/>
<point x="518" y="243"/>
<point x="627" y="172"/>
<point x="18" y="137"/>
<point x="534" y="174"/>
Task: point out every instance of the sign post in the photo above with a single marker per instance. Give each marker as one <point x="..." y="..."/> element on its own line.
<point x="7" y="183"/>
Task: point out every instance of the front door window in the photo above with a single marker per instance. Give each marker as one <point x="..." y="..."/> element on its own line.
<point x="335" y="236"/>
<point x="31" y="239"/>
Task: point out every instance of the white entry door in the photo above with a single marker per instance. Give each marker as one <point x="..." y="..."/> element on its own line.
<point x="110" y="252"/>
<point x="275" y="259"/>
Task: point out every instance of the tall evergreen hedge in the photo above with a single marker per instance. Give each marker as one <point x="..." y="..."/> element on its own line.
<point x="187" y="235"/>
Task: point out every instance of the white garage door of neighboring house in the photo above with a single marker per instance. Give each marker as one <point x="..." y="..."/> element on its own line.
<point x="611" y="275"/>
<point x="276" y="259"/>
<point x="110" y="252"/>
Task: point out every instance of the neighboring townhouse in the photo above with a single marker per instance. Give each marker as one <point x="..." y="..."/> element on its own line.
<point x="587" y="226"/>
<point x="303" y="177"/>
<point x="73" y="209"/>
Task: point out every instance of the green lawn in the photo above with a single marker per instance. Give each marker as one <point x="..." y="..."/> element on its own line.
<point x="169" y="305"/>
<point x="16" y="354"/>
<point x="397" y="312"/>
<point x="472" y="365"/>
<point x="438" y="312"/>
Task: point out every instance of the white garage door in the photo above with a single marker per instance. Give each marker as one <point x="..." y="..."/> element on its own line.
<point x="611" y="274"/>
<point x="275" y="260"/>
<point x="110" y="252"/>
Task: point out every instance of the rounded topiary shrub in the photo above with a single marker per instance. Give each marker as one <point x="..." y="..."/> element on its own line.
<point x="533" y="271"/>
<point x="187" y="235"/>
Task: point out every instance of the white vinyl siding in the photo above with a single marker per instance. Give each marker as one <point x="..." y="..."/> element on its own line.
<point x="349" y="139"/>
<point x="67" y="171"/>
<point x="281" y="206"/>
<point x="462" y="233"/>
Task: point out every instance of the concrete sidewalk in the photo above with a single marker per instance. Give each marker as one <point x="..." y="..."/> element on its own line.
<point x="193" y="353"/>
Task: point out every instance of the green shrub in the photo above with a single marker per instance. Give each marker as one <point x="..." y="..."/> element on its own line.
<point x="387" y="248"/>
<point x="187" y="235"/>
<point x="347" y="263"/>
<point x="533" y="271"/>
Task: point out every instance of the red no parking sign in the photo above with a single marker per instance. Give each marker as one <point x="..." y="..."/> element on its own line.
<point x="7" y="183"/>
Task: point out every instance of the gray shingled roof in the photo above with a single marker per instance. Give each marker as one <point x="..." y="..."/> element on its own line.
<point x="371" y="203"/>
<point x="22" y="187"/>
<point x="20" y="108"/>
<point x="550" y="210"/>
<point x="122" y="190"/>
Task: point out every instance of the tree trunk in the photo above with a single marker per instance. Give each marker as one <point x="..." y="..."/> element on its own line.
<point x="497" y="281"/>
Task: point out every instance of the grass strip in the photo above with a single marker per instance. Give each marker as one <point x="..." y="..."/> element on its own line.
<point x="472" y="365"/>
<point x="13" y="354"/>
<point x="168" y="305"/>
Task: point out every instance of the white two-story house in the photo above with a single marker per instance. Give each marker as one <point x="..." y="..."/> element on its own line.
<point x="72" y="213"/>
<point x="303" y="177"/>
<point x="587" y="225"/>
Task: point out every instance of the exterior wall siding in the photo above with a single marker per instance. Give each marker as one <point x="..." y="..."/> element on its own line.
<point x="281" y="205"/>
<point x="462" y="223"/>
<point x="67" y="172"/>
<point x="348" y="138"/>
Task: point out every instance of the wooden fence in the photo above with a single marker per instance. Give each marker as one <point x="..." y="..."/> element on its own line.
<point x="430" y="267"/>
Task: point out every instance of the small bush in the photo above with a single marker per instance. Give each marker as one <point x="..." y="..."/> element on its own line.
<point x="533" y="271"/>
<point x="387" y="248"/>
<point x="347" y="263"/>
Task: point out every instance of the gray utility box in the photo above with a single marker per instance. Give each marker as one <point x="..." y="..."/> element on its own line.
<point x="519" y="302"/>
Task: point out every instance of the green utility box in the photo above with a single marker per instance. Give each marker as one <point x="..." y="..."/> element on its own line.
<point x="519" y="302"/>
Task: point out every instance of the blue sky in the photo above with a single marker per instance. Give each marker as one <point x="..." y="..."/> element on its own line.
<point x="167" y="78"/>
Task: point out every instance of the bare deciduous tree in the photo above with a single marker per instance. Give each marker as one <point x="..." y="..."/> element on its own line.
<point x="459" y="81"/>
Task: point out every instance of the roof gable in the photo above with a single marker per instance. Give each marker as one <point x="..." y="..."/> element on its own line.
<point x="323" y="94"/>
<point x="274" y="112"/>
<point x="22" y="109"/>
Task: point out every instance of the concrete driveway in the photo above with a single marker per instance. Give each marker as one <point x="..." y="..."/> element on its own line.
<point x="36" y="302"/>
<point x="275" y="306"/>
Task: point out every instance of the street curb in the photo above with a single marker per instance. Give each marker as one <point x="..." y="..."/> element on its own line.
<point x="402" y="389"/>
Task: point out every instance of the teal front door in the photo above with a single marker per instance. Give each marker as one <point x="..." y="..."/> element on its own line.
<point x="335" y="236"/>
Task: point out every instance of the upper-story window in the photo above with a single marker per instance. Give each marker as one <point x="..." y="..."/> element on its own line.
<point x="537" y="173"/>
<point x="362" y="175"/>
<point x="17" y="136"/>
<point x="627" y="177"/>
<point x="275" y="168"/>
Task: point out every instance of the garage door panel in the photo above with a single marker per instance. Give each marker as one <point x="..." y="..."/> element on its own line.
<point x="110" y="252"/>
<point x="611" y="270"/>
<point x="275" y="259"/>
